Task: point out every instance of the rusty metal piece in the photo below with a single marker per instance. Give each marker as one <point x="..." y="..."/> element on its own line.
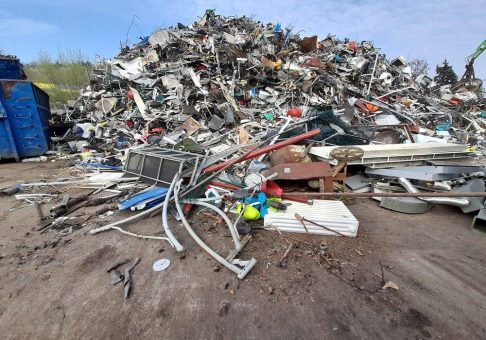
<point x="337" y="169"/>
<point x="282" y="263"/>
<point x="190" y="126"/>
<point x="309" y="44"/>
<point x="105" y="209"/>
<point x="347" y="153"/>
<point x="290" y="154"/>
<point x="261" y="151"/>
<point x="297" y="199"/>
<point x="302" y="171"/>
<point x="387" y="136"/>
<point x="305" y="171"/>
<point x="387" y="194"/>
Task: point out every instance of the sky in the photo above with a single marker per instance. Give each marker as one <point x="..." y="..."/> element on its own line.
<point x="428" y="29"/>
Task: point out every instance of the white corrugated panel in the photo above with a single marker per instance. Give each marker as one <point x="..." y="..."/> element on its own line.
<point x="394" y="154"/>
<point x="332" y="214"/>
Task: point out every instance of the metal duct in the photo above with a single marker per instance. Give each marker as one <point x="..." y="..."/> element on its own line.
<point x="455" y="201"/>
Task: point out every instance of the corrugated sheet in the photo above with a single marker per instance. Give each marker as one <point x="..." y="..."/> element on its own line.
<point x="332" y="214"/>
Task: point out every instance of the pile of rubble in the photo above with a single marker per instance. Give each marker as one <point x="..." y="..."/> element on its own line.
<point x="253" y="122"/>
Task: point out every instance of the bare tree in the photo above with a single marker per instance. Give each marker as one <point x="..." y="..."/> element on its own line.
<point x="418" y="66"/>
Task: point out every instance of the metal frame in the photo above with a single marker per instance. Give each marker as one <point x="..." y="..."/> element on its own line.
<point x="165" y="157"/>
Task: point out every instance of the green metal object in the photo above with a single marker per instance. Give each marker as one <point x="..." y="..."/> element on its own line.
<point x="478" y="52"/>
<point x="469" y="79"/>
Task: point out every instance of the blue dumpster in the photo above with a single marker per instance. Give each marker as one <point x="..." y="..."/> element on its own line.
<point x="11" y="68"/>
<point x="24" y="119"/>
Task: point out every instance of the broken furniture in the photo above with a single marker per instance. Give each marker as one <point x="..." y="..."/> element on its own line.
<point x="320" y="171"/>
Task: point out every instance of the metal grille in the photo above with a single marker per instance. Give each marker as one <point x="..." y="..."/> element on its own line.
<point x="159" y="166"/>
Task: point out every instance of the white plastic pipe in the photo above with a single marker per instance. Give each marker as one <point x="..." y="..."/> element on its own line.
<point x="165" y="222"/>
<point x="240" y="272"/>
<point x="233" y="231"/>
<point x="126" y="220"/>
<point x="143" y="236"/>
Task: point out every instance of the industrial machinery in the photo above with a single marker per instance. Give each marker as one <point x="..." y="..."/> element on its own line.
<point x="469" y="81"/>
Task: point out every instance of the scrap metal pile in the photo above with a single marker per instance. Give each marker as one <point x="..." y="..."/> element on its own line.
<point x="228" y="81"/>
<point x="252" y="121"/>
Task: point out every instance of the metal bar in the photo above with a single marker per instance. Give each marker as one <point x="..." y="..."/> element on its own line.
<point x="286" y="124"/>
<point x="372" y="74"/>
<point x="388" y="194"/>
<point x="263" y="150"/>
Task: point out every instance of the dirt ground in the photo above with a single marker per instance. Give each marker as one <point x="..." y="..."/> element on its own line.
<point x="56" y="286"/>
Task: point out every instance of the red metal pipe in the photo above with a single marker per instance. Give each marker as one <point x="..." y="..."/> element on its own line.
<point x="224" y="185"/>
<point x="262" y="151"/>
<point x="387" y="194"/>
<point x="297" y="199"/>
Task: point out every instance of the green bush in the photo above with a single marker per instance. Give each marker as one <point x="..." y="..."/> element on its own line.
<point x="61" y="77"/>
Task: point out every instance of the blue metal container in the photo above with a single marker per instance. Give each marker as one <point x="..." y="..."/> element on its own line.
<point x="11" y="68"/>
<point x="24" y="119"/>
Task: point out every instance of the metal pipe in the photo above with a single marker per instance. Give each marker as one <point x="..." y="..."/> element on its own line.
<point x="126" y="220"/>
<point x="257" y="152"/>
<point x="282" y="129"/>
<point x="441" y="186"/>
<point x="387" y="194"/>
<point x="237" y="160"/>
<point x="165" y="222"/>
<point x="455" y="201"/>
<point x="372" y="74"/>
<point x="233" y="231"/>
<point x="240" y="272"/>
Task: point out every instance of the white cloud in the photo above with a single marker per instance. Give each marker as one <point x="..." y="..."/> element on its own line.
<point x="12" y="26"/>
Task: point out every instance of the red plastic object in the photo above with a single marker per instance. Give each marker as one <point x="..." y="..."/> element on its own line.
<point x="187" y="208"/>
<point x="262" y="151"/>
<point x="271" y="188"/>
<point x="361" y="105"/>
<point x="294" y="112"/>
<point x="130" y="95"/>
<point x="353" y="46"/>
<point x="157" y="130"/>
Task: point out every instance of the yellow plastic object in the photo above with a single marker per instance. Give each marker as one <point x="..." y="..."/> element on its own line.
<point x="86" y="155"/>
<point x="251" y="213"/>
<point x="273" y="199"/>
